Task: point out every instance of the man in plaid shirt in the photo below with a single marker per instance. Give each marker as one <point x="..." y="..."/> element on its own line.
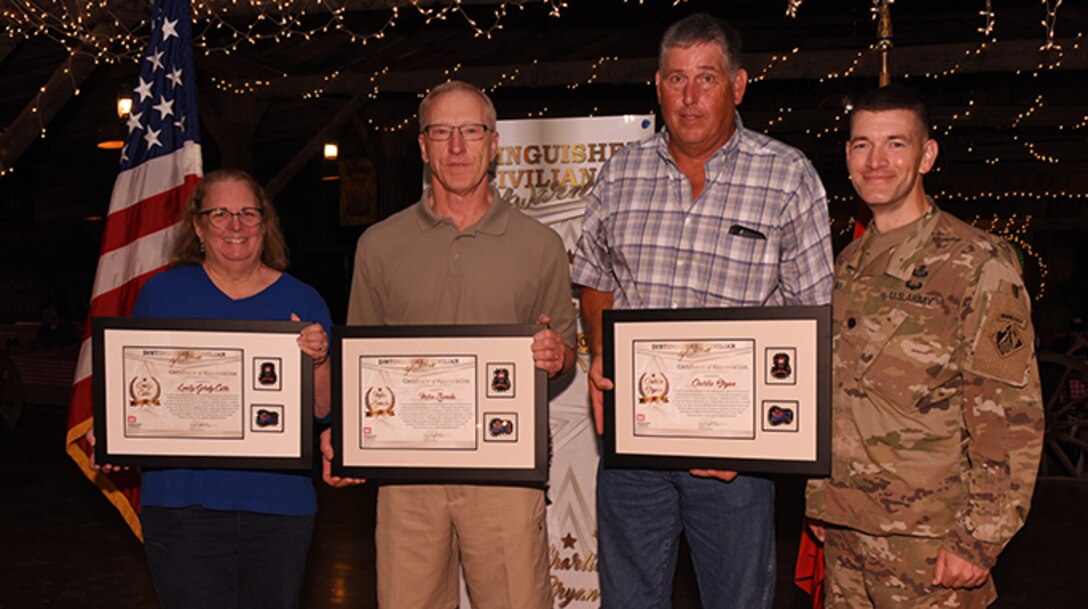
<point x="703" y="214"/>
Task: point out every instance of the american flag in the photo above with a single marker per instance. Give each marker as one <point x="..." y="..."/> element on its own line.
<point x="160" y="167"/>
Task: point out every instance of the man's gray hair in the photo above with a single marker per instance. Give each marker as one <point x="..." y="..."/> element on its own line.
<point x="457" y="85"/>
<point x="701" y="28"/>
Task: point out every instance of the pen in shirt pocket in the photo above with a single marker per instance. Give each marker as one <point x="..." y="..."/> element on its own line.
<point x="744" y="231"/>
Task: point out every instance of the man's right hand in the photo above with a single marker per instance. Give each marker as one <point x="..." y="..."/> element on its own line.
<point x="817" y="530"/>
<point x="326" y="464"/>
<point x="598" y="384"/>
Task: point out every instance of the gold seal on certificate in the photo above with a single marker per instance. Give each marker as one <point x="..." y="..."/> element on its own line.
<point x="653" y="387"/>
<point x="144" y="391"/>
<point x="380" y="401"/>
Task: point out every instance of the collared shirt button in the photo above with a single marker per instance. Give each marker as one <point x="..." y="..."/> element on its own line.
<point x="850" y="323"/>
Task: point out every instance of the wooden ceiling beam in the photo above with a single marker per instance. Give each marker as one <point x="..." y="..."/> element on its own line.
<point x="61" y="86"/>
<point x="31" y="123"/>
<point x="7" y="45"/>
<point x="307" y="152"/>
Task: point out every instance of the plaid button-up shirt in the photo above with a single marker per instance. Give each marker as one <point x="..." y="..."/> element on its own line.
<point x="758" y="235"/>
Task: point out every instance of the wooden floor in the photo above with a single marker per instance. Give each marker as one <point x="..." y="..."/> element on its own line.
<point x="63" y="546"/>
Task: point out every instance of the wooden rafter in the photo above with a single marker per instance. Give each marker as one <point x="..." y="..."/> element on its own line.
<point x="311" y="148"/>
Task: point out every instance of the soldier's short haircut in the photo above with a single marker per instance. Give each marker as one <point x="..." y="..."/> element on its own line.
<point x="457" y="85"/>
<point x="894" y="97"/>
<point x="701" y="28"/>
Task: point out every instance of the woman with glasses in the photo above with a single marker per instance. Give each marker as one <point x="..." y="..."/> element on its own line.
<point x="232" y="538"/>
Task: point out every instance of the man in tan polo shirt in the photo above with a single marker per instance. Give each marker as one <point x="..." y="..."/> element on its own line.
<point x="460" y="256"/>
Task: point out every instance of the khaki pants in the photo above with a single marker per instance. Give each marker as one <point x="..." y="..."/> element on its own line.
<point x="890" y="572"/>
<point x="498" y="533"/>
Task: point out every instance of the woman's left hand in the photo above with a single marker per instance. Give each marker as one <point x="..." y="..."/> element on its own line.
<point x="313" y="341"/>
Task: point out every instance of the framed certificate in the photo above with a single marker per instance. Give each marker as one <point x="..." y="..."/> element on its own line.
<point x="439" y="403"/>
<point x="202" y="393"/>
<point x="744" y="389"/>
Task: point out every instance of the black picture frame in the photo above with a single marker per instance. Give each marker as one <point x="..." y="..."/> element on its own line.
<point x="798" y="441"/>
<point x="279" y="437"/>
<point x="518" y="456"/>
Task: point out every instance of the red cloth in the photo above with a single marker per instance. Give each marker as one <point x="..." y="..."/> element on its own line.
<point x="861" y="219"/>
<point x="161" y="165"/>
<point x="809" y="573"/>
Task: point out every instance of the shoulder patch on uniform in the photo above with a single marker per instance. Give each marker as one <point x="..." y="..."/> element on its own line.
<point x="1002" y="348"/>
<point x="1008" y="339"/>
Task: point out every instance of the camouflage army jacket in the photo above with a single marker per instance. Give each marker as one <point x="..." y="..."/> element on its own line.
<point x="937" y="409"/>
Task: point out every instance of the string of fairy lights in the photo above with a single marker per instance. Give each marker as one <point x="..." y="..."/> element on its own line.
<point x="112" y="30"/>
<point x="105" y="32"/>
<point x="285" y="18"/>
<point x="1013" y="228"/>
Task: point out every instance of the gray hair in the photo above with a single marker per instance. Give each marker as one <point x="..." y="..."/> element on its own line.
<point x="457" y="85"/>
<point x="701" y="28"/>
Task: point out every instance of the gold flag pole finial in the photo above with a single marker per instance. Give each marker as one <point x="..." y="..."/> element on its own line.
<point x="884" y="39"/>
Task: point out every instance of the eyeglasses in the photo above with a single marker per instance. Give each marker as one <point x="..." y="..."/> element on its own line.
<point x="471" y="132"/>
<point x="221" y="216"/>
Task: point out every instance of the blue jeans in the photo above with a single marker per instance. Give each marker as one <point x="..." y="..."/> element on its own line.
<point x="210" y="559"/>
<point x="729" y="526"/>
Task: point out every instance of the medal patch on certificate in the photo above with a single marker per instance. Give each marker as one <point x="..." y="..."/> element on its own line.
<point x="266" y="373"/>
<point x="500" y="380"/>
<point x="267" y="418"/>
<point x="780" y="415"/>
<point x="501" y="426"/>
<point x="780" y="363"/>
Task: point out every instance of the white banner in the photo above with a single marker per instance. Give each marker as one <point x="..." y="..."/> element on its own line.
<point x="545" y="167"/>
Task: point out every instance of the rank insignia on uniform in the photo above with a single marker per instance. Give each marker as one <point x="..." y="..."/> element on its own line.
<point x="916" y="277"/>
<point x="1008" y="340"/>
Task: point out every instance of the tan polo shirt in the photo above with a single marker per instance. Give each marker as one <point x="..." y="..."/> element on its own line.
<point x="418" y="268"/>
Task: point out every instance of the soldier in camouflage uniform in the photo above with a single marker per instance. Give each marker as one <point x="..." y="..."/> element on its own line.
<point x="938" y="420"/>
